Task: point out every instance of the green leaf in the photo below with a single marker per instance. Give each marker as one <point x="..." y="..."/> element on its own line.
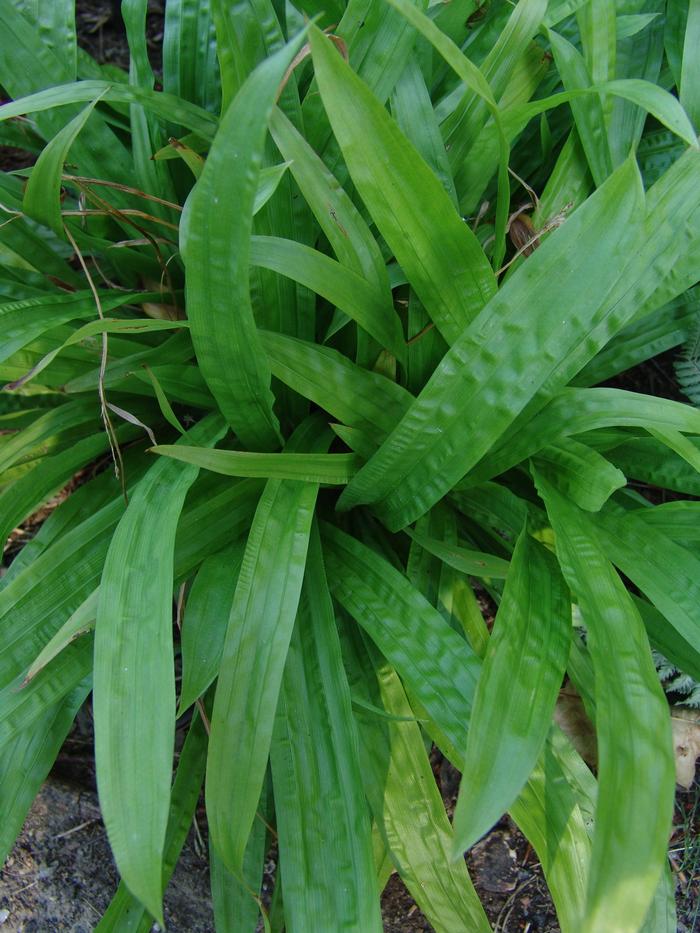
<point x="26" y="761"/>
<point x="668" y="640"/>
<point x="235" y="901"/>
<point x="438" y="252"/>
<point x="646" y="459"/>
<point x="519" y="683"/>
<point x="498" y="364"/>
<point x="46" y="432"/>
<point x="146" y="131"/>
<point x="656" y="101"/>
<point x="587" y="110"/>
<point x="42" y="197"/>
<point x="21" y="498"/>
<point x="322" y="817"/>
<point x="205" y="620"/>
<point x="28" y="63"/>
<point x="166" y="106"/>
<point x="440" y="672"/>
<point x="689" y="88"/>
<point x="680" y="444"/>
<point x="629" y="25"/>
<point x="574" y="411"/>
<point x="474" y="563"/>
<point x="413" y="110"/>
<point x="335" y="213"/>
<point x="190" y="68"/>
<point x="632" y="818"/>
<point x="101" y="326"/>
<point x="25" y="320"/>
<point x="339" y="285"/>
<point x="125" y="914"/>
<point x="405" y="799"/>
<point x="216" y="249"/>
<point x="333" y="469"/>
<point x="580" y="473"/>
<point x="163" y="402"/>
<point x="389" y="607"/>
<point x="664" y="571"/>
<point x="78" y="623"/>
<point x="134" y="680"/>
<point x="255" y="649"/>
<point x="364" y="400"/>
<point x="268" y="182"/>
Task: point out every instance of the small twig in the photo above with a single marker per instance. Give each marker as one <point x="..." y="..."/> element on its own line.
<point x="125" y="217"/>
<point x="550" y="225"/>
<point x="109" y="428"/>
<point x="180" y="607"/>
<point x="10" y="210"/>
<point x="479" y="217"/>
<point x="75" y="829"/>
<point x="108" y="282"/>
<point x="12" y="219"/>
<point x="203" y="714"/>
<point x="81" y="180"/>
<point x="509" y="905"/>
<point x="125" y="211"/>
<point x="94" y="909"/>
<point x="25" y="888"/>
<point x="421" y="333"/>
<point x="530" y="191"/>
<point x="199" y="846"/>
<point x="267" y="826"/>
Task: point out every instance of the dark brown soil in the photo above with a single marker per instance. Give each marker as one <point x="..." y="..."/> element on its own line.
<point x="101" y="31"/>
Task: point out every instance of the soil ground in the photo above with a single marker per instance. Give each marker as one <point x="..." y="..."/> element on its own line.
<point x="60" y="876"/>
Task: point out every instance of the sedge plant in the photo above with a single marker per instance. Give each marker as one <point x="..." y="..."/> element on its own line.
<point x="322" y="319"/>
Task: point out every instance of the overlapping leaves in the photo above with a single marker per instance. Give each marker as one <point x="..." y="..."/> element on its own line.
<point x="309" y="350"/>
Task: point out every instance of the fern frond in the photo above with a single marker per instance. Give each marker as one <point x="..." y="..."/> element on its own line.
<point x="688" y="366"/>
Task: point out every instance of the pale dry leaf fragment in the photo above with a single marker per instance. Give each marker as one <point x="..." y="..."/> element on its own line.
<point x="572" y="719"/>
<point x="685" y="724"/>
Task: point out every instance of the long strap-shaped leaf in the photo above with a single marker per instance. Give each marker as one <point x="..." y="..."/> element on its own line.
<point x="341" y="286"/>
<point x="24" y="320"/>
<point x="518" y="687"/>
<point x="42" y="198"/>
<point x="322" y="816"/>
<point x="125" y="914"/>
<point x="166" y="106"/>
<point x="255" y="649"/>
<point x="393" y="611"/>
<point x="62" y="579"/>
<point x="667" y="573"/>
<point x="206" y="617"/>
<point x="190" y="69"/>
<point x="440" y="672"/>
<point x="26" y="760"/>
<point x="235" y="901"/>
<point x="21" y="498"/>
<point x="439" y="254"/>
<point x="334" y="469"/>
<point x="513" y="347"/>
<point x="350" y="393"/>
<point x="346" y="231"/>
<point x="587" y="110"/>
<point x="633" y="729"/>
<point x="573" y="411"/>
<point x="404" y="796"/>
<point x="134" y="680"/>
<point x="216" y="249"/>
